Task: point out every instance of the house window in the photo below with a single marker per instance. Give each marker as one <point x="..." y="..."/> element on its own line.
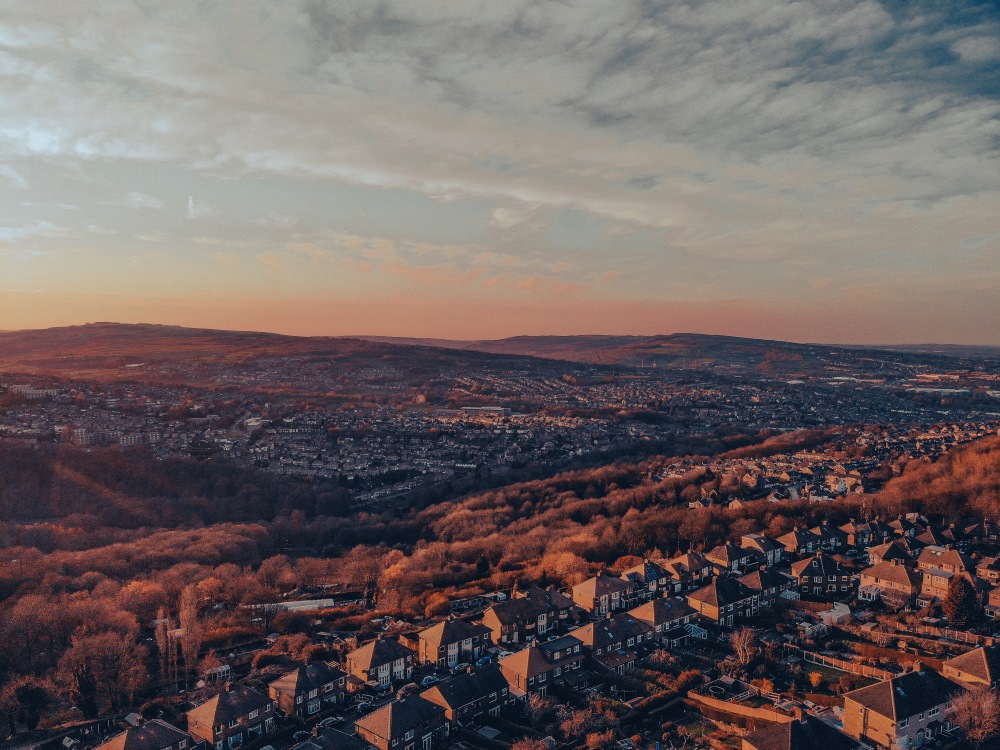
<point x="408" y="735"/>
<point x="903" y="723"/>
<point x="253" y="714"/>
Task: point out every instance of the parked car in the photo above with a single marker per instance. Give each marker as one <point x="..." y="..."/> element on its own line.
<point x="483" y="662"/>
<point x="331" y="721"/>
<point x="428" y="680"/>
<point x="301" y="736"/>
<point x="364" y="707"/>
<point x="459" y="668"/>
<point x="408" y="689"/>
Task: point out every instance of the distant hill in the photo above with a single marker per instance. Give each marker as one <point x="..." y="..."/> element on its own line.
<point x="98" y="349"/>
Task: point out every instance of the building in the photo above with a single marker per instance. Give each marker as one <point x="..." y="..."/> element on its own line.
<point x="772" y="550"/>
<point x="332" y="739"/>
<point x="308" y="690"/>
<point x="672" y="620"/>
<point x="602" y="595"/>
<point x="804" y="732"/>
<point x="769" y="584"/>
<point x="616" y="642"/>
<point x="689" y="571"/>
<point x="413" y="723"/>
<point x="149" y="735"/>
<point x="904" y="711"/>
<point x="381" y="662"/>
<point x="981" y="666"/>
<point x="234" y="716"/>
<point x="725" y="600"/>
<point x="534" y="669"/>
<point x="451" y="642"/>
<point x="531" y="613"/>
<point x="471" y="697"/>
<point x="821" y="575"/>
<point x="650" y="579"/>
<point x="730" y="558"/>
<point x="800" y="542"/>
<point x="890" y="551"/>
<point x="892" y="582"/>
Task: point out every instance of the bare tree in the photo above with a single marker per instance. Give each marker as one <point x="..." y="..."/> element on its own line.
<point x="977" y="714"/>
<point x="745" y="644"/>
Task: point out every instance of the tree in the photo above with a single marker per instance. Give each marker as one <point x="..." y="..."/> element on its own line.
<point x="102" y="671"/>
<point x="977" y="713"/>
<point x="961" y="605"/>
<point x="816" y="679"/>
<point x="745" y="644"/>
<point x="191" y="636"/>
<point x="529" y="744"/>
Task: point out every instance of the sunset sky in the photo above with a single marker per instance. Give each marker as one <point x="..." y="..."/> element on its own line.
<point x="814" y="171"/>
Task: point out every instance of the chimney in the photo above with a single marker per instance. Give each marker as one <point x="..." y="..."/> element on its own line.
<point x="798" y="714"/>
<point x="918" y="666"/>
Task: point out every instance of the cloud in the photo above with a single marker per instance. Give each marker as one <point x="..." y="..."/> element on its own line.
<point x="977" y="49"/>
<point x="200" y="209"/>
<point x="13" y="177"/>
<point x="140" y="200"/>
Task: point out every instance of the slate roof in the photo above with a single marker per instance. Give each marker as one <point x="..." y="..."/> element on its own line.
<point x="466" y="688"/>
<point x="227" y="706"/>
<point x="451" y="631"/>
<point x="377" y="653"/>
<point x="721" y="592"/>
<point x="809" y="733"/>
<point x="151" y="735"/>
<point x="332" y="739"/>
<point x="399" y="717"/>
<point x="982" y="662"/>
<point x="824" y="566"/>
<point x="645" y="572"/>
<point x="895" y="573"/>
<point x="598" y="586"/>
<point x="760" y="580"/>
<point x="660" y="611"/>
<point x="619" y="629"/>
<point x="307" y="678"/>
<point x="726" y="554"/>
<point x="907" y="694"/>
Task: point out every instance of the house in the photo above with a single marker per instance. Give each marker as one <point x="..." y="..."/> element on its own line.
<point x="689" y="570"/>
<point x="308" y="690"/>
<point x="725" y="600"/>
<point x="234" y="716"/>
<point x="992" y="608"/>
<point x="821" y="575"/>
<point x="381" y="662"/>
<point x="981" y="666"/>
<point x="470" y="697"/>
<point x="730" y="558"/>
<point x="832" y="538"/>
<point x="948" y="559"/>
<point x="800" y="542"/>
<point x="892" y="582"/>
<point x="772" y="550"/>
<point x="154" y="734"/>
<point x="651" y="579"/>
<point x="769" y="584"/>
<point x="903" y="711"/>
<point x="894" y="550"/>
<point x="670" y="620"/>
<point x="988" y="568"/>
<point x="413" y="723"/>
<point x="603" y="594"/>
<point x="804" y="732"/>
<point x="534" y="669"/>
<point x="530" y="613"/>
<point x="616" y="642"/>
<point x="450" y="642"/>
<point x="863" y="535"/>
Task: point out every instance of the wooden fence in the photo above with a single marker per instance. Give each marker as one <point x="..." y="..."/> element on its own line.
<point x="843" y="665"/>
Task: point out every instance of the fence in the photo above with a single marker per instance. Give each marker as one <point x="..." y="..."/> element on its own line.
<point x="738" y="709"/>
<point x="843" y="665"/>
<point x="961" y="636"/>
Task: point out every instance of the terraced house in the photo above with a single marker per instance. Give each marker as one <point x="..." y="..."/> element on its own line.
<point x="381" y="662"/>
<point x="450" y="642"/>
<point x="603" y="594"/>
<point x="536" y="668"/>
<point x="533" y="612"/>
<point x="472" y="697"/>
<point x="308" y="690"/>
<point x="413" y="723"/>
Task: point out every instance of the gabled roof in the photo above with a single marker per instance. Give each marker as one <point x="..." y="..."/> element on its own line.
<point x="907" y="694"/>
<point x="645" y="572"/>
<point x="548" y="598"/>
<point x="982" y="662"/>
<point x="332" y="739"/>
<point x="808" y="733"/>
<point x="466" y="688"/>
<point x="598" y="586"/>
<point x="227" y="706"/>
<point x="686" y="563"/>
<point x="765" y="579"/>
<point x="726" y="554"/>
<point x="451" y="631"/>
<point x="894" y="572"/>
<point x="618" y="629"/>
<point x="893" y="550"/>
<point x="533" y="660"/>
<point x="660" y="611"/>
<point x="818" y="564"/>
<point x="307" y="678"/>
<point x="377" y="653"/>
<point x="761" y="542"/>
<point x="942" y="557"/>
<point x="799" y="538"/>
<point x="722" y="591"/>
<point x="399" y="717"/>
<point x="151" y="735"/>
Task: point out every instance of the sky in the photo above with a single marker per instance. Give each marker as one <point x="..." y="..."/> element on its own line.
<point x="817" y="170"/>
